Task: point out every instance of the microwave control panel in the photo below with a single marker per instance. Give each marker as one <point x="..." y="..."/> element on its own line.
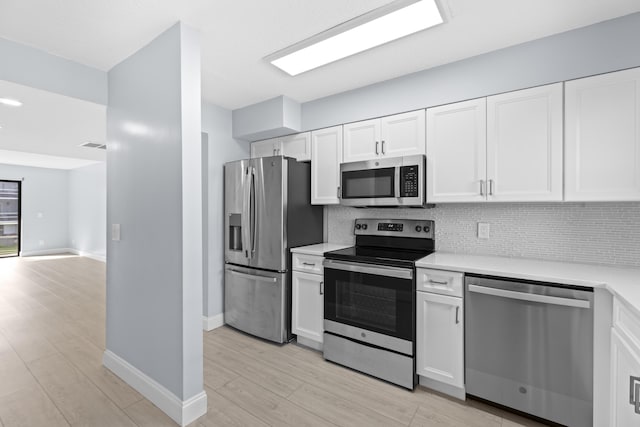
<point x="409" y="181"/>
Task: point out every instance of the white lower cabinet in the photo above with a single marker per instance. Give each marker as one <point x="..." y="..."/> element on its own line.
<point x="625" y="375"/>
<point x="625" y="366"/>
<point x="440" y="332"/>
<point x="307" y="307"/>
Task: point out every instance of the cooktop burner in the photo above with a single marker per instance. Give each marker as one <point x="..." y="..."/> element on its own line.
<point x="392" y="242"/>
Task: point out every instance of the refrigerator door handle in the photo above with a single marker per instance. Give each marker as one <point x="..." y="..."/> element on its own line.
<point x="246" y="200"/>
<point x="254" y="213"/>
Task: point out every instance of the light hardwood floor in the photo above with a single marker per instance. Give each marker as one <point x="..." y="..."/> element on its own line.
<point x="52" y="314"/>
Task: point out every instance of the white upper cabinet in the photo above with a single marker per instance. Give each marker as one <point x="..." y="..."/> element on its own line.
<point x="266" y="148"/>
<point x="361" y="140"/>
<point x="297" y="146"/>
<point x="602" y="155"/>
<point x="391" y="136"/>
<point x="502" y="148"/>
<point x="524" y="145"/>
<point x="403" y="134"/>
<point x="326" y="156"/>
<point x="456" y="152"/>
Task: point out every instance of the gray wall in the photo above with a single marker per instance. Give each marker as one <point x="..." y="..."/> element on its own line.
<point x="154" y="273"/>
<point x="599" y="233"/>
<point x="88" y="210"/>
<point x="36" y="68"/>
<point x="222" y="148"/>
<point x="599" y="48"/>
<point x="45" y="192"/>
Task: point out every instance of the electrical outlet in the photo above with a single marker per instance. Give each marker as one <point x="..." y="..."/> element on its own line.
<point x="483" y="230"/>
<point x="40" y="215"/>
<point x="41" y="242"/>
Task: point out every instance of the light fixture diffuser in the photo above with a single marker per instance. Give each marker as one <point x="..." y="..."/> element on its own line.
<point x="10" y="102"/>
<point x="396" y="20"/>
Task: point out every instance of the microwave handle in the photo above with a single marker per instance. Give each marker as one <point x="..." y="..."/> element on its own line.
<point x="397" y="181"/>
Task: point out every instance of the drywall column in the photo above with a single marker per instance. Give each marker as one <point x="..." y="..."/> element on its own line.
<point x="154" y="269"/>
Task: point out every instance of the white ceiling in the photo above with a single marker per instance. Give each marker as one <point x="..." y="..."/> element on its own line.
<point x="238" y="34"/>
<point x="49" y="127"/>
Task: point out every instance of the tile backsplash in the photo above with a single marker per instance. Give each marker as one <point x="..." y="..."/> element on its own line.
<point x="600" y="233"/>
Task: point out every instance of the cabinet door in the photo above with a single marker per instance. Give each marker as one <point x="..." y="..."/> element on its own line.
<point x="326" y="156"/>
<point x="361" y="140"/>
<point x="440" y="338"/>
<point x="456" y="152"/>
<point x="266" y="148"/>
<point x="602" y="120"/>
<point x="307" y="306"/>
<point x="297" y="146"/>
<point x="524" y="145"/>
<point x="403" y="134"/>
<point x="625" y="364"/>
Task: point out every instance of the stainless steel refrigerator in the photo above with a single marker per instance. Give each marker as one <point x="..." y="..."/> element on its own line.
<point x="267" y="211"/>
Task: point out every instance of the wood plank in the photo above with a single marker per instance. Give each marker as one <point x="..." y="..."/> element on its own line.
<point x="222" y="412"/>
<point x="30" y="407"/>
<point x="339" y="411"/>
<point x="146" y="414"/>
<point x="268" y="406"/>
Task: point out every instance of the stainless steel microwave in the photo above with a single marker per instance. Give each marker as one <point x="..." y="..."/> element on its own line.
<point x="396" y="181"/>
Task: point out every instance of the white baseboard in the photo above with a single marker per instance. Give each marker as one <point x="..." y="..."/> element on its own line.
<point x="55" y="251"/>
<point x="213" y="322"/>
<point x="458" y="393"/>
<point x="97" y="257"/>
<point x="182" y="412"/>
<point x="309" y="343"/>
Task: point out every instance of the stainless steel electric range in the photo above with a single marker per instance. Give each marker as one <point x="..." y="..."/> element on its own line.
<point x="369" y="299"/>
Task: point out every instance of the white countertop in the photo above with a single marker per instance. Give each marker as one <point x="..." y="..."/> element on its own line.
<point x="318" y="249"/>
<point x="620" y="281"/>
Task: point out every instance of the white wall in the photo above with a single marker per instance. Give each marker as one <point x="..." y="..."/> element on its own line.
<point x="222" y="148"/>
<point x="154" y="273"/>
<point x="36" y="68"/>
<point x="88" y="210"/>
<point x="45" y="207"/>
<point x="599" y="48"/>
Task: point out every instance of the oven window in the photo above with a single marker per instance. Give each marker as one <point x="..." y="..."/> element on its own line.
<point x="368" y="305"/>
<point x="377" y="303"/>
<point x="369" y="183"/>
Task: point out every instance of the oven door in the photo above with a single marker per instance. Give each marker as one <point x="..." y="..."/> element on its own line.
<point x="369" y="297"/>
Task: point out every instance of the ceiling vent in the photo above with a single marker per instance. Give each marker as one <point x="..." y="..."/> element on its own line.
<point x="94" y="145"/>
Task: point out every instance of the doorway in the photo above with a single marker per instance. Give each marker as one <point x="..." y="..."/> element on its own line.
<point x="10" y="204"/>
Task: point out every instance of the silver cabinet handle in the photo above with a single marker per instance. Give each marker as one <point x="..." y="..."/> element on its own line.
<point x="482" y="187"/>
<point x="321" y="288"/>
<point x="634" y="393"/>
<point x="383" y="146"/>
<point x="377" y="147"/>
<point x="491" y="187"/>
<point x="438" y="282"/>
<point x="310" y="264"/>
<point x="523" y="296"/>
<point x="338" y="192"/>
<point x="457" y="312"/>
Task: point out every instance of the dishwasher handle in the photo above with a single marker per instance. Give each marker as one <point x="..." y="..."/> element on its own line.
<point x="544" y="299"/>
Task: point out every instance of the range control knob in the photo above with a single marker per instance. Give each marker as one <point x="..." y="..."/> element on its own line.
<point x="427" y="228"/>
<point x="364" y="226"/>
<point x="358" y="226"/>
<point x="418" y="228"/>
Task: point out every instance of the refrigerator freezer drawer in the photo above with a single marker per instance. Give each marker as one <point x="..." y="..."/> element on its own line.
<point x="255" y="302"/>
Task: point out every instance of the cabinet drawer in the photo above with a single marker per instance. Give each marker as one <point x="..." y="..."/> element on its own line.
<point x="440" y="282"/>
<point x="626" y="321"/>
<point x="307" y="263"/>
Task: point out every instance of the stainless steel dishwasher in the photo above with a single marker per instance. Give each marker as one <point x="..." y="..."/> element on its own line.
<point x="529" y="346"/>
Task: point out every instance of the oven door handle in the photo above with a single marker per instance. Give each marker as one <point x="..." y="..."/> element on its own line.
<point x="378" y="270"/>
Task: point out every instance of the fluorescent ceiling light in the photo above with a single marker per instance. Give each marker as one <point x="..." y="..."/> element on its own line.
<point x="380" y="26"/>
<point x="10" y="102"/>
